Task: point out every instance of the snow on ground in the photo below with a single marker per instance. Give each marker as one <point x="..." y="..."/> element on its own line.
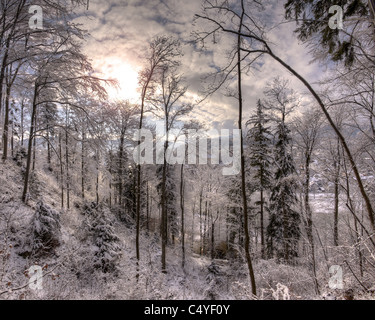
<point x="69" y="274"/>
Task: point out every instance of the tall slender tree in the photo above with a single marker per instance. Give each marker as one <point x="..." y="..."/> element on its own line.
<point x="163" y="51"/>
<point x="168" y="106"/>
<point x="283" y="231"/>
<point x="260" y="141"/>
<point x="308" y="129"/>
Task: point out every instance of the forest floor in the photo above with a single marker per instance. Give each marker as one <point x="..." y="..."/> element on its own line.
<point x="68" y="274"/>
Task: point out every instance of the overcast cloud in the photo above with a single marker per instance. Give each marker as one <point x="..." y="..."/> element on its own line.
<point x="121" y="30"/>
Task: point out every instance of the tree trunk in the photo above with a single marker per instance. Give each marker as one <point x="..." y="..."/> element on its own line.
<point x="61" y="170"/>
<point x="309" y="224"/>
<point x="358" y="245"/>
<point x="212" y="240"/>
<point x="243" y="177"/>
<point x="120" y="169"/>
<point x="200" y="223"/>
<point x="67" y="161"/>
<point x="205" y="227"/>
<point x="164" y="233"/>
<point x="2" y="70"/>
<point x="22" y="120"/>
<point x="147" y="208"/>
<point x="138" y="189"/>
<point x="6" y="124"/>
<point x="263" y="245"/>
<point x="29" y="148"/>
<point x="192" y="227"/>
<point x="134" y="198"/>
<point x="34" y="142"/>
<point x="83" y="165"/>
<point x="182" y="204"/>
<point x="12" y="138"/>
<point x="110" y="178"/>
<point x="48" y="150"/>
<point x="97" y="177"/>
<point x="337" y="191"/>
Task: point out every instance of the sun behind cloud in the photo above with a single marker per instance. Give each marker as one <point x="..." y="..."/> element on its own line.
<point x="127" y="77"/>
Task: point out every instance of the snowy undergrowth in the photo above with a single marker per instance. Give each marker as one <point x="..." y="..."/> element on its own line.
<point x="70" y="271"/>
<point x="74" y="269"/>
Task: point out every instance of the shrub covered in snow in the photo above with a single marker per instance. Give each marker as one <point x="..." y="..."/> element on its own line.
<point x="214" y="282"/>
<point x="19" y="155"/>
<point x="45" y="230"/>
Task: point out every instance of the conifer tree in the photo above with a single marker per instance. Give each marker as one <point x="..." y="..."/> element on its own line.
<point x="100" y="227"/>
<point x="259" y="138"/>
<point x="283" y="230"/>
<point x="107" y="249"/>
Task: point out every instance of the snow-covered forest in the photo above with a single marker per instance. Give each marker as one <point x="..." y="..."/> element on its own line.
<point x="83" y="215"/>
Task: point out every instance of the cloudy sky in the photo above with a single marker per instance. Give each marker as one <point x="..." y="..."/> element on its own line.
<point x="122" y="29"/>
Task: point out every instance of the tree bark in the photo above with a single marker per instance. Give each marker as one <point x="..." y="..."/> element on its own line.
<point x="30" y="143"/>
<point x="34" y="141"/>
<point x="164" y="232"/>
<point x="182" y="205"/>
<point x="12" y="138"/>
<point x="336" y="204"/>
<point x="309" y="224"/>
<point x="200" y="223"/>
<point x="22" y="122"/>
<point x="110" y="178"/>
<point x="6" y="122"/>
<point x="120" y="169"/>
<point x="263" y="244"/>
<point x="243" y="177"/>
<point x="147" y="208"/>
<point x="97" y="176"/>
<point x="61" y="169"/>
<point x="83" y="165"/>
<point x="67" y="160"/>
<point x="48" y="149"/>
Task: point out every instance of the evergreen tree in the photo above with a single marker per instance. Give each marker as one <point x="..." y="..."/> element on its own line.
<point x="45" y="230"/>
<point x="107" y="250"/>
<point x="170" y="199"/>
<point x="259" y="138"/>
<point x="313" y="16"/>
<point x="283" y="230"/>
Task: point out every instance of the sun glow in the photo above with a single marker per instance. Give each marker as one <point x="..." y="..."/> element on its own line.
<point x="127" y="77"/>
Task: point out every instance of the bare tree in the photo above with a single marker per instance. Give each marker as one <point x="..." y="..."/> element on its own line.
<point x="168" y="106"/>
<point x="308" y="130"/>
<point x="121" y="117"/>
<point x="163" y="50"/>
